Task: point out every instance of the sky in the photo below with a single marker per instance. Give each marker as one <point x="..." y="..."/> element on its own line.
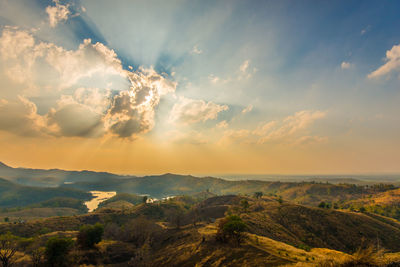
<point x="210" y="87"/>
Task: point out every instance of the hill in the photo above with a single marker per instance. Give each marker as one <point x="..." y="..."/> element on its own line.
<point x="384" y="203"/>
<point x="308" y="193"/>
<point x="53" y="177"/>
<point x="122" y="199"/>
<point x="278" y="234"/>
<point x="15" y="195"/>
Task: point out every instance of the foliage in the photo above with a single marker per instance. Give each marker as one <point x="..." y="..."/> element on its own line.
<point x="175" y="217"/>
<point x="64" y="202"/>
<point x="8" y="248"/>
<point x="56" y="251"/>
<point x="231" y="228"/>
<point x="37" y="256"/>
<point x="14" y="195"/>
<point x="131" y="198"/>
<point x="89" y="235"/>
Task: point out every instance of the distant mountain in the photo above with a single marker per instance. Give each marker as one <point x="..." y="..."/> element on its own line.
<point x="159" y="186"/>
<point x="15" y="195"/>
<point x="53" y="177"/>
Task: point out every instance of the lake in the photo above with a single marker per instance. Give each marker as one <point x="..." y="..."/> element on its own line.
<point x="98" y="197"/>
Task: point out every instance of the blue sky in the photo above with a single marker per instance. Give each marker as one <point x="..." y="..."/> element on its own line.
<point x="286" y="82"/>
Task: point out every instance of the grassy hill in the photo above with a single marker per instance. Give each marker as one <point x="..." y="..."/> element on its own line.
<point x="384" y="203"/>
<point x="278" y="234"/>
<point x="122" y="199"/>
<point x="308" y="193"/>
<point x="15" y="195"/>
<point x="159" y="186"/>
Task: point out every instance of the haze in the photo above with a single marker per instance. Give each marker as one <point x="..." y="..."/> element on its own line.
<point x="201" y="86"/>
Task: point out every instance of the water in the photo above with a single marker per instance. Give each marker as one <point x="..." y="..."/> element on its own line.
<point x="98" y="197"/>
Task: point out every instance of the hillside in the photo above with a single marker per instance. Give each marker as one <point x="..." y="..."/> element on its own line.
<point x="53" y="177"/>
<point x="308" y="193"/>
<point x="15" y="195"/>
<point x="384" y="203"/>
<point x="278" y="234"/>
<point x="159" y="186"/>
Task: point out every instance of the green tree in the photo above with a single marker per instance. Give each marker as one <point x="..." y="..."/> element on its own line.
<point x="322" y="205"/>
<point x="37" y="255"/>
<point x="6" y="219"/>
<point x="56" y="251"/>
<point x="231" y="227"/>
<point x="90" y="235"/>
<point x="144" y="199"/>
<point x="8" y="248"/>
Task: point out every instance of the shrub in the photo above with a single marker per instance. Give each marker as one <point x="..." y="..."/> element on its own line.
<point x="90" y="235"/>
<point x="8" y="248"/>
<point x="57" y="249"/>
<point x="231" y="228"/>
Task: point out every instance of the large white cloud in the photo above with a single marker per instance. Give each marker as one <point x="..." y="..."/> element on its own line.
<point x="81" y="110"/>
<point x="49" y="65"/>
<point x="392" y="63"/>
<point x="188" y="111"/>
<point x="19" y="116"/>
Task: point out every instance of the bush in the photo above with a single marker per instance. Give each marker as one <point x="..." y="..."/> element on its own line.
<point x="90" y="235"/>
<point x="57" y="250"/>
<point x="8" y="248"/>
<point x="231" y="228"/>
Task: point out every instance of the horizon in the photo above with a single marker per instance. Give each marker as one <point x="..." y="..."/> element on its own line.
<point x="230" y="176"/>
<point x="249" y="88"/>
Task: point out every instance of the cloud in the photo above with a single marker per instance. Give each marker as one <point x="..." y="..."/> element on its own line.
<point x="213" y="79"/>
<point x="346" y="65"/>
<point x="247" y="109"/>
<point x="196" y="50"/>
<point x="80" y="114"/>
<point x="222" y="125"/>
<point x="235" y="136"/>
<point x="47" y="64"/>
<point x="245" y="72"/>
<point x="188" y="111"/>
<point x="81" y="110"/>
<point x="308" y="140"/>
<point x="290" y="126"/>
<point x="19" y="116"/>
<point x="57" y="13"/>
<point x="392" y="63"/>
<point x="186" y="137"/>
<point x="245" y="65"/>
<point x="76" y="120"/>
<point x="290" y="130"/>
